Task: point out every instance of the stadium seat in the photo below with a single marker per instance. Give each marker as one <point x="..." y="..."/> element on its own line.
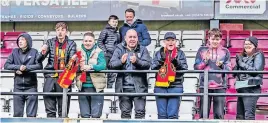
<point x="149" y="116"/>
<point x="39" y="38"/>
<point x="13" y="33"/>
<point x="154" y="39"/>
<point x="224" y="38"/>
<point x="230" y="117"/>
<point x="78" y="39"/>
<point x="262" y="37"/>
<point x="233" y="61"/>
<point x="261" y="117"/>
<point x="2" y="35"/>
<point x="192" y="40"/>
<point x="162" y="35"/>
<point x="231" y="107"/>
<point x="231" y="98"/>
<point x="231" y="82"/>
<point x="10" y="42"/>
<point x="186" y="107"/>
<point x="237" y="38"/>
<point x="190" y="84"/>
<point x="4" y="55"/>
<point x="97" y="34"/>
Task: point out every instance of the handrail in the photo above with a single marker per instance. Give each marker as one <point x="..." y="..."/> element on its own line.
<point x="205" y="95"/>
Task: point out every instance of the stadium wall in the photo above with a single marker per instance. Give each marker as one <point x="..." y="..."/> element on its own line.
<point x="152" y="25"/>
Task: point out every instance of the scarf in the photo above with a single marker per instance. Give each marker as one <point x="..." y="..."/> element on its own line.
<point x="67" y="76"/>
<point x="167" y="72"/>
<point x="56" y="57"/>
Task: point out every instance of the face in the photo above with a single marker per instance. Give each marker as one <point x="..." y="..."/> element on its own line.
<point x="215" y="42"/>
<point x="170" y="43"/>
<point x="113" y="22"/>
<point x="88" y="42"/>
<point x="249" y="47"/>
<point x="131" y="38"/>
<point x="61" y="33"/>
<point x="22" y="42"/>
<point x="129" y="17"/>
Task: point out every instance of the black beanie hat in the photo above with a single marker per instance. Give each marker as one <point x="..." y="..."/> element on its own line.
<point x="253" y="40"/>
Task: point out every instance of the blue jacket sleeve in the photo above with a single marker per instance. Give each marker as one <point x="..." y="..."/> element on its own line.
<point x="115" y="62"/>
<point x="146" y="39"/>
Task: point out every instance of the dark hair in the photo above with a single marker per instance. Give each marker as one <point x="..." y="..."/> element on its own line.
<point x="130" y="10"/>
<point x="61" y="24"/>
<point x="113" y="17"/>
<point x="216" y="32"/>
<point x="89" y="34"/>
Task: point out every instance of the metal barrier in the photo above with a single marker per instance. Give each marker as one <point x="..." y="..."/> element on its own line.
<point x="205" y="95"/>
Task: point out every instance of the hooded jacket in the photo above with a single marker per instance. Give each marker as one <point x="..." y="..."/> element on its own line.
<point x="28" y="57"/>
<point x="108" y="39"/>
<point x="70" y="51"/>
<point x="256" y="62"/>
<point x="143" y="62"/>
<point x="221" y="54"/>
<point x="181" y="65"/>
<point x="141" y="29"/>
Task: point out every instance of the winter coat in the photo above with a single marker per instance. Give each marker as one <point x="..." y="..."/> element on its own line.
<point x="181" y="65"/>
<point x="143" y="62"/>
<point x="141" y="29"/>
<point x="28" y="58"/>
<point x="256" y="62"/>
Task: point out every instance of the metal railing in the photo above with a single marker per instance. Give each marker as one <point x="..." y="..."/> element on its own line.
<point x="205" y="94"/>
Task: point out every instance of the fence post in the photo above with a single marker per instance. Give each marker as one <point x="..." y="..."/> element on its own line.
<point x="205" y="96"/>
<point x="64" y="102"/>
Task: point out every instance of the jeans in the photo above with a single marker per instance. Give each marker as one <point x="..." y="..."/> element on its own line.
<point x="168" y="107"/>
<point x="246" y="106"/>
<point x="218" y="103"/>
<point x="90" y="106"/>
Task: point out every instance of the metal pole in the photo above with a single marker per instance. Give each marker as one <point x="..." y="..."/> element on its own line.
<point x="205" y="97"/>
<point x="64" y="102"/>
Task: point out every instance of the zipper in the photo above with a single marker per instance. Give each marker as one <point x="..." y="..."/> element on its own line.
<point x="23" y="82"/>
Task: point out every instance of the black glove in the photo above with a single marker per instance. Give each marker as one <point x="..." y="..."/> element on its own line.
<point x="239" y="61"/>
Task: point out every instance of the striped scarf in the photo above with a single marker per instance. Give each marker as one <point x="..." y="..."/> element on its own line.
<point x="61" y="65"/>
<point x="167" y="72"/>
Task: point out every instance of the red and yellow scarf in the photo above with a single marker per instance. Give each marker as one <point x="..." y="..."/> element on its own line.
<point x="61" y="65"/>
<point x="67" y="76"/>
<point x="167" y="72"/>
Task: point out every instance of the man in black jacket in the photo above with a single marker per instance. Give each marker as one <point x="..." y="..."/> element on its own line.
<point x="130" y="55"/>
<point x="108" y="39"/>
<point x="22" y="60"/>
<point x="59" y="51"/>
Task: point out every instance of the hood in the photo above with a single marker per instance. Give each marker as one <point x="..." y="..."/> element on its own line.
<point x="137" y="21"/>
<point x="109" y="27"/>
<point x="28" y="39"/>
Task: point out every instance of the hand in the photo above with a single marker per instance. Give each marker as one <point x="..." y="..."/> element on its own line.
<point x="163" y="56"/>
<point x="44" y="49"/>
<point x="133" y="59"/>
<point x="74" y="56"/>
<point x="18" y="72"/>
<point x="124" y="58"/>
<point x="22" y="68"/>
<point x="175" y="62"/>
<point x="87" y="67"/>
<point x="219" y="63"/>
